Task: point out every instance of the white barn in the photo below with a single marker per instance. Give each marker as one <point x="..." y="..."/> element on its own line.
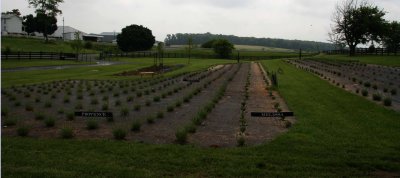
<point x="11" y="24"/>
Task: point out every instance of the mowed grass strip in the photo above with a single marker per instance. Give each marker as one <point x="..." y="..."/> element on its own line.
<point x="337" y="134"/>
<point x="103" y="72"/>
<point x="15" y="63"/>
<point x="393" y="61"/>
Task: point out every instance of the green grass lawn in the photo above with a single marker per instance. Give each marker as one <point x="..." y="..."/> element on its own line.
<point x="101" y="72"/>
<point x="337" y="134"/>
<point x="378" y="60"/>
<point x="9" y="64"/>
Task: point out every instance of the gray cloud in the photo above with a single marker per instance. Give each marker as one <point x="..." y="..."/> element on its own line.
<point x="291" y="19"/>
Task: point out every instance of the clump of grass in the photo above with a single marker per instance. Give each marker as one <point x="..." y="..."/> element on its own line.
<point x="28" y="107"/>
<point x="79" y="106"/>
<point x="190" y="128"/>
<point x="136" y="107"/>
<point x="39" y="116"/>
<point x="170" y="108"/>
<point x="117" y="103"/>
<point x="150" y="119"/>
<point x="66" y="133"/>
<point x="129" y="99"/>
<point x="156" y="99"/>
<point x="119" y="134"/>
<point x="181" y="136"/>
<point x="23" y="131"/>
<point x="92" y="124"/>
<point x="160" y="115"/>
<point x="49" y="122"/>
<point x="376" y="97"/>
<point x="94" y="101"/>
<point x="124" y="112"/>
<point x="104" y="107"/>
<point x="70" y="116"/>
<point x="148" y="103"/>
<point x="240" y="141"/>
<point x="387" y="101"/>
<point x="136" y="126"/>
<point x="178" y="104"/>
<point x="393" y="91"/>
<point x="10" y="122"/>
<point x="364" y="92"/>
<point x="47" y="104"/>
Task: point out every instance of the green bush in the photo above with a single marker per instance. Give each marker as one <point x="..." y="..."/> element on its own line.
<point x="70" y="116"/>
<point x="88" y="45"/>
<point x="23" y="131"/>
<point x="376" y="97"/>
<point x="66" y="133"/>
<point x="92" y="124"/>
<point x="181" y="136"/>
<point x="136" y="126"/>
<point x="150" y="119"/>
<point x="240" y="141"/>
<point x="387" y="101"/>
<point x="49" y="122"/>
<point x="364" y="92"/>
<point x="119" y="134"/>
<point x="160" y="115"/>
<point x="124" y="112"/>
<point x="170" y="108"/>
<point x="156" y="99"/>
<point x="39" y="116"/>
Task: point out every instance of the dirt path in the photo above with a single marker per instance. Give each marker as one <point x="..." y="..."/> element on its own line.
<point x="222" y="124"/>
<point x="163" y="130"/>
<point x="261" y="129"/>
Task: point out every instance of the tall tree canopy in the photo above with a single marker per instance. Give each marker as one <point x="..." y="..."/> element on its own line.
<point x="391" y="39"/>
<point x="45" y="20"/>
<point x="223" y="48"/>
<point x="357" y="23"/>
<point x="135" y="38"/>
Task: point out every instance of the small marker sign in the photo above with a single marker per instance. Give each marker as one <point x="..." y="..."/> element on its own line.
<point x="272" y="114"/>
<point x="94" y="114"/>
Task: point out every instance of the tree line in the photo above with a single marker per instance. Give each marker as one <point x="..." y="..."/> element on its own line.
<point x="182" y="38"/>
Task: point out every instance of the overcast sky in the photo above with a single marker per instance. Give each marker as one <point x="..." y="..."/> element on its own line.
<point x="287" y="19"/>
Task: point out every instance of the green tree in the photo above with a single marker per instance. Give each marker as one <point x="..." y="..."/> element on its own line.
<point x="29" y="22"/>
<point x="391" y="39"/>
<point x="135" y="38"/>
<point x="15" y="12"/>
<point x="357" y="23"/>
<point x="208" y="44"/>
<point x="46" y="12"/>
<point x="223" y="48"/>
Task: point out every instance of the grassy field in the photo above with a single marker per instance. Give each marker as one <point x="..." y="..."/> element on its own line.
<point x="9" y="64"/>
<point x="337" y="134"/>
<point x="100" y="72"/>
<point x="378" y="60"/>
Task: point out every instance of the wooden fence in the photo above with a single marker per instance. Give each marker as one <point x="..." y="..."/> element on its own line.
<point x="48" y="55"/>
<point x="365" y="51"/>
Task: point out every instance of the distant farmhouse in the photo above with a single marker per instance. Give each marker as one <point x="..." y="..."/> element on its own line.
<point x="110" y="37"/>
<point x="11" y="24"/>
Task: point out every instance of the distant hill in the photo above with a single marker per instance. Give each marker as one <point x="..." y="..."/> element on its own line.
<point x="181" y="39"/>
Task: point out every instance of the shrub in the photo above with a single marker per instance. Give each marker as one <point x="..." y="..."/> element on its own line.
<point x="129" y="99"/>
<point x="92" y="124"/>
<point x="181" y="136"/>
<point x="23" y="131"/>
<point x="139" y="94"/>
<point x="117" y="103"/>
<point x="191" y="128"/>
<point x="376" y="97"/>
<point x="60" y="111"/>
<point x="119" y="134"/>
<point x="178" y="104"/>
<point x="148" y="103"/>
<point x="240" y="141"/>
<point x="28" y="107"/>
<point x="17" y="103"/>
<point x="70" y="116"/>
<point x="136" y="126"/>
<point x="364" y="92"/>
<point x="137" y="107"/>
<point x="66" y="99"/>
<point x="47" y="104"/>
<point x="156" y="99"/>
<point x="10" y="122"/>
<point x="49" y="122"/>
<point x="150" y="119"/>
<point x="104" y="107"/>
<point x="367" y="84"/>
<point x="39" y="116"/>
<point x="170" y="108"/>
<point x="94" y="101"/>
<point x="375" y="87"/>
<point x="160" y="115"/>
<point x="79" y="106"/>
<point x="66" y="133"/>
<point x="387" y="101"/>
<point x="393" y="91"/>
<point x="124" y="112"/>
<point x="385" y="90"/>
<point x="37" y="100"/>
